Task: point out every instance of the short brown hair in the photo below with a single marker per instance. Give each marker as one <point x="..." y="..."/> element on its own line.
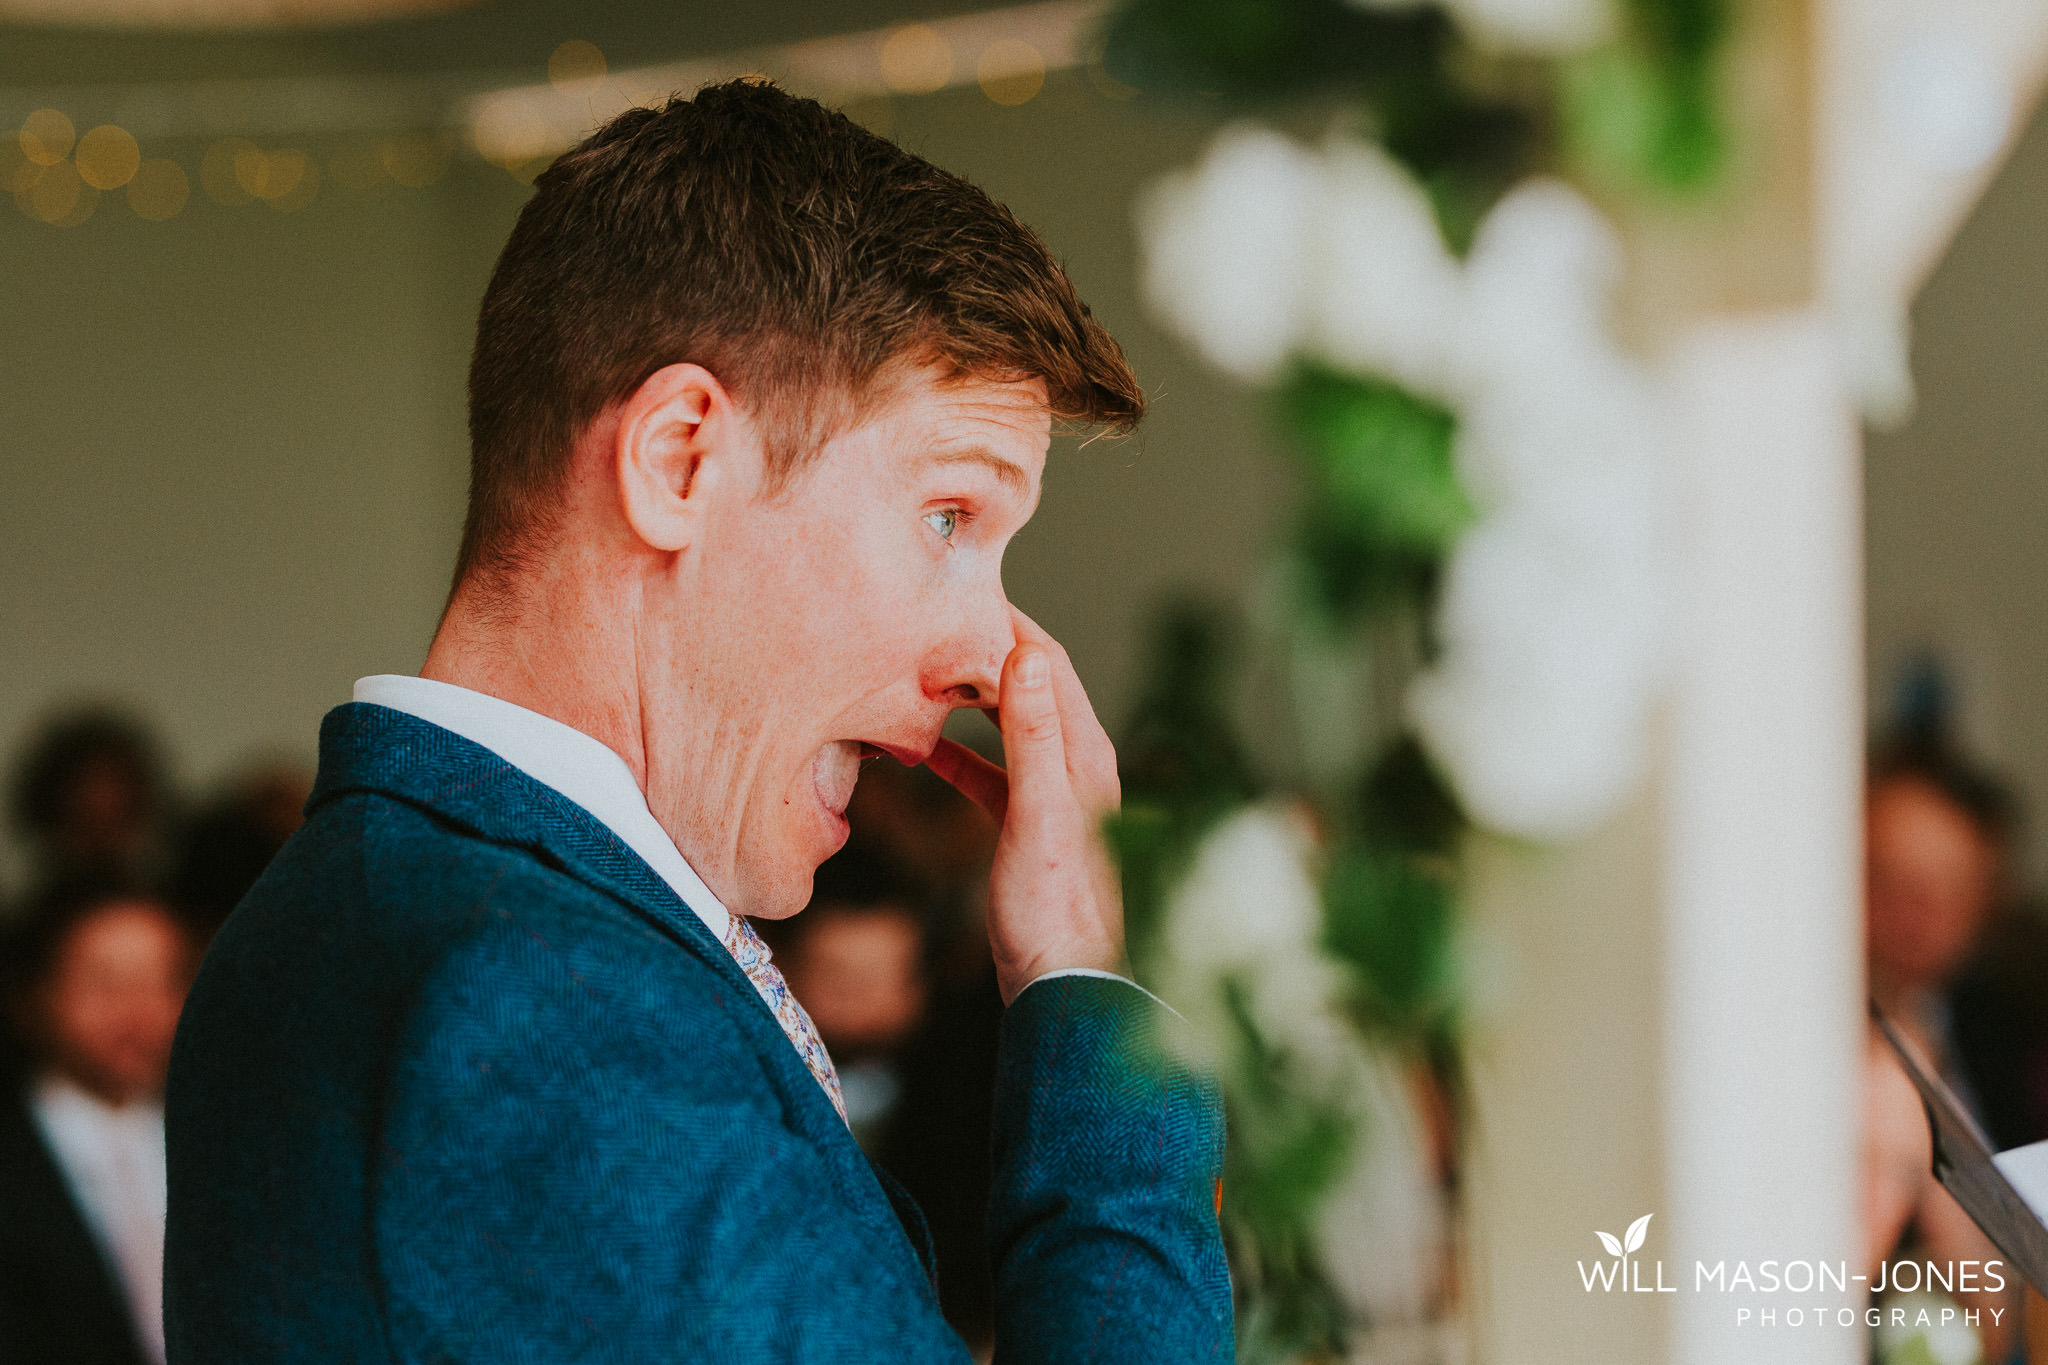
<point x="786" y="249"/>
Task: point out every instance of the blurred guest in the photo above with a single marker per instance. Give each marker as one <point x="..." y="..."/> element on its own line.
<point x="224" y="847"/>
<point x="938" y="1142"/>
<point x="919" y="822"/>
<point x="1937" y="833"/>
<point x="89" y="794"/>
<point x="1951" y="950"/>
<point x="855" y="959"/>
<point x="934" y="1139"/>
<point x="96" y="980"/>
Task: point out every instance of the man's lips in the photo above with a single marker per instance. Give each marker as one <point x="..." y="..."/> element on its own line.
<point x="835" y="767"/>
<point x="903" y="753"/>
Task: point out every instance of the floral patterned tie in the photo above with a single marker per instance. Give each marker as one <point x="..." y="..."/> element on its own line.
<point x="747" y="949"/>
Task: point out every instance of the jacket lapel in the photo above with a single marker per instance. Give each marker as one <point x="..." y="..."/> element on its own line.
<point x="369" y="748"/>
<point x="372" y="748"/>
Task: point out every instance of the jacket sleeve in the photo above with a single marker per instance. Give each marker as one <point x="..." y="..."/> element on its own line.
<point x="583" y="1159"/>
<point x="1103" y="1225"/>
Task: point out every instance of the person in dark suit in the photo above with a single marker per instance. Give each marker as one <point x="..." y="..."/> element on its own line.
<point x="95" y="978"/>
<point x="490" y="1064"/>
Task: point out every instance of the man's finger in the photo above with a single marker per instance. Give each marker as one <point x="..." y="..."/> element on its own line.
<point x="1075" y="709"/>
<point x="1034" y="751"/>
<point x="1091" y="758"/>
<point x="977" y="779"/>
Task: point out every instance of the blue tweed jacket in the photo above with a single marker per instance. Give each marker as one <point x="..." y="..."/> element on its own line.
<point x="463" y="1080"/>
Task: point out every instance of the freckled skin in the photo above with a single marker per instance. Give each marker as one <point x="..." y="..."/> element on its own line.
<point x="864" y="621"/>
<point x="740" y="645"/>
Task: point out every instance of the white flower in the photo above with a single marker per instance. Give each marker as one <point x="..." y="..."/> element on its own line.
<point x="1380" y="1231"/>
<point x="1540" y="280"/>
<point x="1388" y="297"/>
<point x="1538" y="708"/>
<point x="1266" y="249"/>
<point x="1249" y="895"/>
<point x="1552" y="619"/>
<point x="1225" y="246"/>
<point x="1249" y="910"/>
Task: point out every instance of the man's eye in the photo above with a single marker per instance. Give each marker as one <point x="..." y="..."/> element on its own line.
<point x="943" y="521"/>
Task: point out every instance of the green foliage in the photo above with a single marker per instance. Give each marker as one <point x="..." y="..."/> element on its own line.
<point x="1383" y="504"/>
<point x="1181" y="749"/>
<point x="1390" y="900"/>
<point x="1404" y="69"/>
<point x="1392" y="917"/>
<point x="1152" y="848"/>
<point x="1283" y="1155"/>
<point x="1405" y="804"/>
<point x="1265" y="49"/>
<point x="1381" y="510"/>
<point x="1645" y="111"/>
<point x="1180" y="762"/>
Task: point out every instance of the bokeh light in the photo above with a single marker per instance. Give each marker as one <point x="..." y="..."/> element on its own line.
<point x="17" y="172"/>
<point x="416" y="160"/>
<point x="916" y="60"/>
<point x="108" y="157"/>
<point x="577" y="68"/>
<point x="1010" y="70"/>
<point x="218" y="174"/>
<point x="46" y="137"/>
<point x="510" y="133"/>
<point x="159" y="189"/>
<point x="291" y="180"/>
<point x="253" y="173"/>
<point x="55" y="192"/>
<point x="81" y="207"/>
<point x="56" y="195"/>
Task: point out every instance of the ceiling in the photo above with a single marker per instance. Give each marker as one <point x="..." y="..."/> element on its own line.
<point x="509" y="37"/>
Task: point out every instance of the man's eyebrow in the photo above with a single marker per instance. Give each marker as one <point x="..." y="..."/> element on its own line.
<point x="1007" y="470"/>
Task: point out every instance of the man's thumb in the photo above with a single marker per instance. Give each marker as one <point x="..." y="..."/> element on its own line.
<point x="1033" y="749"/>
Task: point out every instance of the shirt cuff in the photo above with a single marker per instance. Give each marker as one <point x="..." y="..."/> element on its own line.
<point x="1101" y="975"/>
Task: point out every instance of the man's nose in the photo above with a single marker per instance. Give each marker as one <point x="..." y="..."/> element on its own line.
<point x="973" y="668"/>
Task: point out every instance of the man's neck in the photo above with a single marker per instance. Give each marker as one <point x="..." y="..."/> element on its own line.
<point x="574" y="641"/>
<point x="517" y="646"/>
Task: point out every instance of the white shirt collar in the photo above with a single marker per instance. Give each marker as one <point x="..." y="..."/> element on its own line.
<point x="559" y="756"/>
<point x="112" y="1160"/>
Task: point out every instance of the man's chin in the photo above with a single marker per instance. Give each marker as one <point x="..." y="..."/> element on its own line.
<point x="783" y="890"/>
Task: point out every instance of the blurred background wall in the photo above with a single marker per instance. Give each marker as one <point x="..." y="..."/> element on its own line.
<point x="1957" y="509"/>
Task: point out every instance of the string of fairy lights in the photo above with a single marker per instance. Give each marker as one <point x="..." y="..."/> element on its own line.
<point x="283" y="144"/>
<point x="61" y="177"/>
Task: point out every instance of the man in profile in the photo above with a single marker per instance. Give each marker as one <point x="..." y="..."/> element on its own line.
<point x="490" y="1065"/>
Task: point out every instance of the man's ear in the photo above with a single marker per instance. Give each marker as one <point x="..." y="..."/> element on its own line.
<point x="678" y="436"/>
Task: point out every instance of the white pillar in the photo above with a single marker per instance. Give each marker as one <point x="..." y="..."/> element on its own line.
<point x="1763" y="927"/>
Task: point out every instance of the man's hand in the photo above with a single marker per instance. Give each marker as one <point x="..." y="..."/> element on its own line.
<point x="1054" y="901"/>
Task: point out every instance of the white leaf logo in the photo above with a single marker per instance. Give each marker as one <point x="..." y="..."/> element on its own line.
<point x="1607" y="1240"/>
<point x="1637" y="1231"/>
